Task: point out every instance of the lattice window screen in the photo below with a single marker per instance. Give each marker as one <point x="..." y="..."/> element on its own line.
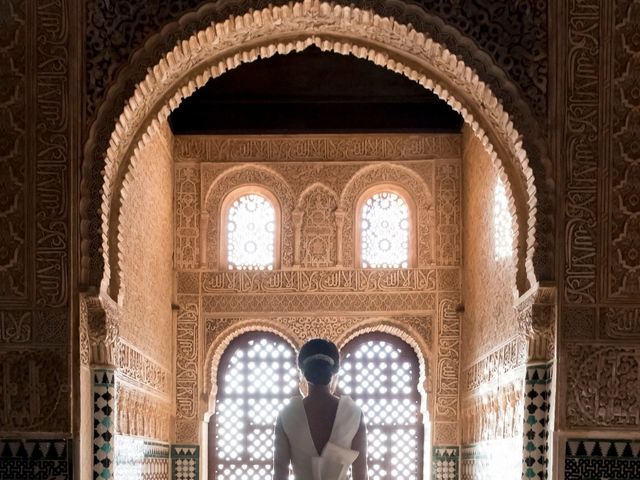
<point x="251" y="230"/>
<point x="256" y="377"/>
<point x="384" y="223"/>
<point x="380" y="372"/>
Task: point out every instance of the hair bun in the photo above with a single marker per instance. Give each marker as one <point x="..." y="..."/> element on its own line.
<point x="319" y="360"/>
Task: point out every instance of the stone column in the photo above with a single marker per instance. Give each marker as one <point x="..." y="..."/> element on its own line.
<point x="204" y="227"/>
<point x="538" y="393"/>
<point x="104" y="393"/>
<point x="297" y="229"/>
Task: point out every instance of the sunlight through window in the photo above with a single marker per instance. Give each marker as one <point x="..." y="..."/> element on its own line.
<point x="251" y="232"/>
<point x="257" y="376"/>
<point x="381" y="374"/>
<point x="385" y="231"/>
<point x="502" y="223"/>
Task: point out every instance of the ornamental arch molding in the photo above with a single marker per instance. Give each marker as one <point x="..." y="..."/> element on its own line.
<point x="411" y="338"/>
<point x="420" y="196"/>
<point x="227" y="182"/>
<point x="294" y="27"/>
<point x="224" y="339"/>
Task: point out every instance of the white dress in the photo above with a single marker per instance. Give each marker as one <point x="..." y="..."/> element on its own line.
<point x="336" y="457"/>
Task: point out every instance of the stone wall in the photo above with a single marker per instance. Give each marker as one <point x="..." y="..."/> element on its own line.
<point x="493" y="354"/>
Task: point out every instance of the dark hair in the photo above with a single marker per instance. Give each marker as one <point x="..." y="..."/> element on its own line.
<point x="319" y="371"/>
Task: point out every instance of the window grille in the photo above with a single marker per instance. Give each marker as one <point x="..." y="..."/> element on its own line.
<point x="257" y="375"/>
<point x="251" y="233"/>
<point x="381" y="373"/>
<point x="384" y="231"/>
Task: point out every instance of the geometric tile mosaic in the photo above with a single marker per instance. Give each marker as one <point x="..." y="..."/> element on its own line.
<point x="185" y="460"/>
<point x="444" y="463"/>
<point x="103" y="423"/>
<point x="591" y="459"/>
<point x="536" y="421"/>
<point x="35" y="459"/>
<point x="139" y="459"/>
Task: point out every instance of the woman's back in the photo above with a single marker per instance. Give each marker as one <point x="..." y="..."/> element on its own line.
<point x="322" y="436"/>
<point x="321" y="414"/>
<point x="301" y="441"/>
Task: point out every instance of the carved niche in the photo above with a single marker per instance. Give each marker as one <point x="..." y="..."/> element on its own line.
<point x="317" y="226"/>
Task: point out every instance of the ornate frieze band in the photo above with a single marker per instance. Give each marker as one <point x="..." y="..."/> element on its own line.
<point x="136" y="366"/>
<point x="322" y="148"/>
<point x="496" y="367"/>
<point x="319" y="281"/>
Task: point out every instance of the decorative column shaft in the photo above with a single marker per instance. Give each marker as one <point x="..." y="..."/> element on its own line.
<point x="297" y="225"/>
<point x="339" y="226"/>
<point x="204" y="228"/>
<point x="104" y="392"/>
<point x="536" y="421"/>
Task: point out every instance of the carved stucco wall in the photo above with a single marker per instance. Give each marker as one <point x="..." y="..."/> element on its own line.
<point x="145" y="346"/>
<point x="36" y="161"/>
<point x="493" y="353"/>
<point x="147" y="253"/>
<point x="599" y="293"/>
<point x="489" y="318"/>
<point x="38" y="119"/>
<point x="418" y="304"/>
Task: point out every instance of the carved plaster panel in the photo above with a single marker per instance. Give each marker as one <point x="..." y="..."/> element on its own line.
<point x="187" y="362"/>
<point x="448" y="366"/>
<point x="316" y="232"/>
<point x="34" y="391"/>
<point x="496" y="414"/>
<point x="142" y="415"/>
<point x="603" y="386"/>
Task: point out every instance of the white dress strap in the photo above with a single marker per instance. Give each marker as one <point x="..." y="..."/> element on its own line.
<point x="346" y="423"/>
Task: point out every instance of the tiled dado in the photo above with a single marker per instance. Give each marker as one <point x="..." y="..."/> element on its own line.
<point x="35" y="459"/>
<point x="103" y="423"/>
<point x="140" y="459"/>
<point x="590" y="459"/>
<point x="536" y="421"/>
<point x="185" y="461"/>
<point x="445" y="463"/>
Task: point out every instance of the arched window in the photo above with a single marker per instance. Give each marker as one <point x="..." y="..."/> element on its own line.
<point x="502" y="222"/>
<point x="256" y="376"/>
<point x="385" y="228"/>
<point x="250" y="227"/>
<point x="381" y="373"/>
